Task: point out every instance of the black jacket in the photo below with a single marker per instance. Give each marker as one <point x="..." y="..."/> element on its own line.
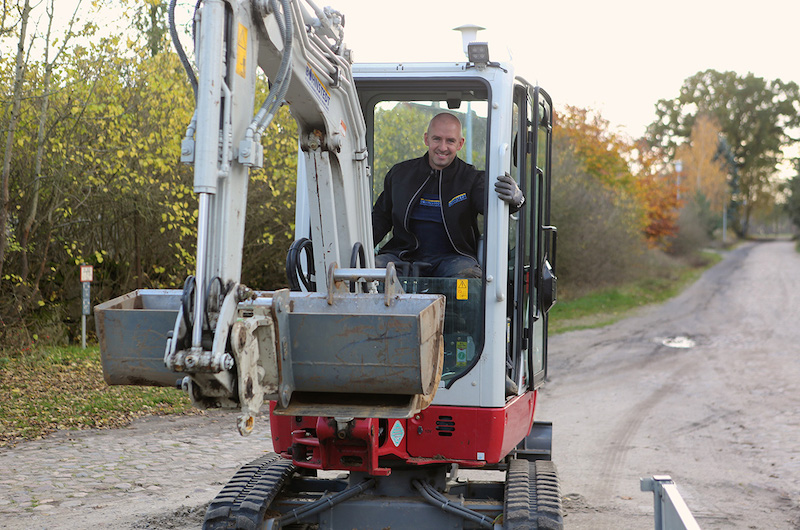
<point x="463" y="197"/>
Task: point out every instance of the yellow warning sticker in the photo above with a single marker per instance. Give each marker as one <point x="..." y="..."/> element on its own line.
<point x="462" y="290"/>
<point x="241" y="51"/>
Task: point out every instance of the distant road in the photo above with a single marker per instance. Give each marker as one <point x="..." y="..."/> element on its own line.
<point x="722" y="417"/>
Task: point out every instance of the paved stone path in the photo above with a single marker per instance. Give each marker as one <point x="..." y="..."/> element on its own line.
<point x="160" y="472"/>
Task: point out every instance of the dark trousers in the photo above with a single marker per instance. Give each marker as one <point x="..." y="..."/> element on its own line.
<point x="447" y="266"/>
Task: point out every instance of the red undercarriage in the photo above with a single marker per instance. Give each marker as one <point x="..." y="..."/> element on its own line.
<point x="468" y="436"/>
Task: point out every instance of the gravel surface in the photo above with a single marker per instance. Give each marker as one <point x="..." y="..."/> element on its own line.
<point x="160" y="472"/>
<point x="703" y="388"/>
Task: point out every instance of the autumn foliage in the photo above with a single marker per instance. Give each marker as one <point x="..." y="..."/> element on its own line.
<point x="703" y="170"/>
<point x="661" y="208"/>
<point x="755" y="118"/>
<point x="93" y="175"/>
<point x="602" y="150"/>
<point x="629" y="169"/>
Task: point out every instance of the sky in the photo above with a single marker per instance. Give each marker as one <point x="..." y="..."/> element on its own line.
<point x="618" y="57"/>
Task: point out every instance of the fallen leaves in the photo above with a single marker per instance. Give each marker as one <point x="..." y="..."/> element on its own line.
<point x="63" y="389"/>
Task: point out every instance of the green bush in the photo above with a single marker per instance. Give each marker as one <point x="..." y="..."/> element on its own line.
<point x="693" y="231"/>
<point x="599" y="241"/>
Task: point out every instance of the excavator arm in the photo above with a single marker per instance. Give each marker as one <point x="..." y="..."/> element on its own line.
<point x="238" y="346"/>
<point x="307" y="63"/>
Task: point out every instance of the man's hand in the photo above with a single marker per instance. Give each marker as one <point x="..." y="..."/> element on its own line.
<point x="508" y="191"/>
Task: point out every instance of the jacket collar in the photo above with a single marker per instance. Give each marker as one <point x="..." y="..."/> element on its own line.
<point x="449" y="171"/>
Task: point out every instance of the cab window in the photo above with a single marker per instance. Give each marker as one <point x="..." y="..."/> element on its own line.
<point x="396" y="122"/>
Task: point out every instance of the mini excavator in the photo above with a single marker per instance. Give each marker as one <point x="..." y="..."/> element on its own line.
<point x="395" y="400"/>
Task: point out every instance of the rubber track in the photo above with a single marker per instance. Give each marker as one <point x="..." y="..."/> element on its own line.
<point x="244" y="500"/>
<point x="533" y="496"/>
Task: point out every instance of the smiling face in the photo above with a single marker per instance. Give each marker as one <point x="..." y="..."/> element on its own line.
<point x="444" y="140"/>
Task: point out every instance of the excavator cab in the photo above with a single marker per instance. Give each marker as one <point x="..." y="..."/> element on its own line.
<point x="397" y="106"/>
<point x="495" y="327"/>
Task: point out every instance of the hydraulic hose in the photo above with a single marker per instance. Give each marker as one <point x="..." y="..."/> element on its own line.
<point x="275" y="98"/>
<point x="357" y="255"/>
<point x="437" y="499"/>
<point x="173" y="32"/>
<point x="294" y="265"/>
<point x="325" y="503"/>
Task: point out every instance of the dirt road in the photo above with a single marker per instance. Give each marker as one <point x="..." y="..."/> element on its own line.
<point x="722" y="417"/>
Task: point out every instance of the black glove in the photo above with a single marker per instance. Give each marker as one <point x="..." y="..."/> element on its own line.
<point x="508" y="191"/>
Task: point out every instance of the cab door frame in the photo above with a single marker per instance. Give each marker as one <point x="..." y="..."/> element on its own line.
<point x="531" y="275"/>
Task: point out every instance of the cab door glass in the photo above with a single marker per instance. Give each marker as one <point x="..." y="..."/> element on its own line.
<point x="397" y="127"/>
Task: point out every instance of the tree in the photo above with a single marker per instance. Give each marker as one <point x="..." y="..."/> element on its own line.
<point x="37" y="176"/>
<point x="598" y="246"/>
<point x="792" y="191"/>
<point x="16" y="96"/>
<point x="703" y="171"/>
<point x="94" y="177"/>
<point x="602" y="151"/>
<point x="4" y="15"/>
<point x="657" y="195"/>
<point x="150" y="19"/>
<point x="269" y="229"/>
<point x="755" y="117"/>
<point x="629" y="170"/>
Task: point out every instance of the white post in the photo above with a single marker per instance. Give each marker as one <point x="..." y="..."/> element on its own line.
<point x="724" y="222"/>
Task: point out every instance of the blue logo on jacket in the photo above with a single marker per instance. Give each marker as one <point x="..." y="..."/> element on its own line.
<point x="457" y="199"/>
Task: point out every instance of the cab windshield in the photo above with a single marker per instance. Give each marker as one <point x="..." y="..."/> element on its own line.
<point x="396" y="122"/>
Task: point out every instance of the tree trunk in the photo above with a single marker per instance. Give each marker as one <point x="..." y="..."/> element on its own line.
<point x="19" y="67"/>
<point x="33" y="210"/>
<point x="37" y="172"/>
<point x="137" y="251"/>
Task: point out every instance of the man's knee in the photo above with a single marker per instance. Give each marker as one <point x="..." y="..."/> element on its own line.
<point x="459" y="267"/>
<point x="382" y="260"/>
<point x="469" y="272"/>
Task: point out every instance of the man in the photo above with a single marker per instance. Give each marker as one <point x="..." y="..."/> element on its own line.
<point x="431" y="206"/>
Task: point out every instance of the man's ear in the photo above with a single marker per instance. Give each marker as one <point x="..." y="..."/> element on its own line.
<point x="425" y="139"/>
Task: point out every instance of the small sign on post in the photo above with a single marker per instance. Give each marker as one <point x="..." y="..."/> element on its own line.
<point x="87" y="275"/>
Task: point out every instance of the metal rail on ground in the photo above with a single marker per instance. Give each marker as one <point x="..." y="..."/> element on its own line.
<point x="671" y="511"/>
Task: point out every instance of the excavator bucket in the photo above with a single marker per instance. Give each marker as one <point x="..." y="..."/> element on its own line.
<point x="132" y="330"/>
<point x="353" y="355"/>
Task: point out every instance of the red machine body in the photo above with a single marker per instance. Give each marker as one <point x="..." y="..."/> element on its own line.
<point x="467" y="436"/>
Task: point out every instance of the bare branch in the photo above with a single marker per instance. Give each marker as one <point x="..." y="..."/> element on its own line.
<point x="9" y="148"/>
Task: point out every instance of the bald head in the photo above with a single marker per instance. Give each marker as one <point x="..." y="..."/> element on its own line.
<point x="445" y="119"/>
<point x="443" y="139"/>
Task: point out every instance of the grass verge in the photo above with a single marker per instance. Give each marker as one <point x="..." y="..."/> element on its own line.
<point x="607" y="306"/>
<point x="63" y="388"/>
